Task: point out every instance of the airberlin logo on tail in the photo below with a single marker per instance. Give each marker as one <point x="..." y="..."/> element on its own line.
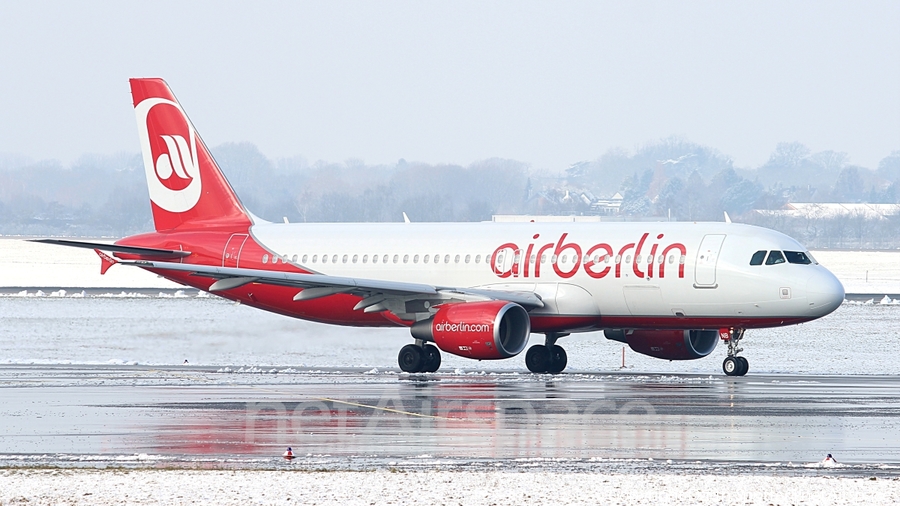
<point x="169" y="146"/>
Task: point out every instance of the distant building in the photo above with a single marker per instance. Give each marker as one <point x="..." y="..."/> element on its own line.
<point x="607" y="207"/>
<point x="833" y="210"/>
<point x="525" y="218"/>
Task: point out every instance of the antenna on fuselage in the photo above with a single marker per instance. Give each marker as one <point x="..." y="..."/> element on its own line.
<point x="727" y="218"/>
<point x="405" y="218"/>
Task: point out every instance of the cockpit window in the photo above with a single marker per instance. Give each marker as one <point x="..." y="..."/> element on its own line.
<point x="775" y="257"/>
<point x="797" y="257"/>
<point x="758" y="257"/>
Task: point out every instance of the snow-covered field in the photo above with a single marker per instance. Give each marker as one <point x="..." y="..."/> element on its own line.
<point x="94" y="487"/>
<point x="24" y="263"/>
<point x="153" y="330"/>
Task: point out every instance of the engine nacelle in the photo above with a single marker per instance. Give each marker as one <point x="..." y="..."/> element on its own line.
<point x="668" y="344"/>
<point x="480" y="330"/>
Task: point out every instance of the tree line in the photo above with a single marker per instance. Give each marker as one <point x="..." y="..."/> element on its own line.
<point x="668" y="179"/>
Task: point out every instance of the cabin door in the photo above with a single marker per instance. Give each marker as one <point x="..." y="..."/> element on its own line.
<point x="707" y="257"/>
<point x="232" y="251"/>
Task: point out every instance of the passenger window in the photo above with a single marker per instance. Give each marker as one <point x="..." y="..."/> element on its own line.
<point x="305" y="257"/>
<point x="365" y="259"/>
<point x="335" y="257"/>
<point x="406" y="259"/>
<point x="775" y="257"/>
<point x="446" y="259"/>
<point x="416" y="259"/>
<point x="355" y="258"/>
<point x="469" y="257"/>
<point x="315" y="257"/>
<point x="265" y="259"/>
<point x="758" y="257"/>
<point x="456" y="259"/>
<point x="797" y="257"/>
<point x="478" y="259"/>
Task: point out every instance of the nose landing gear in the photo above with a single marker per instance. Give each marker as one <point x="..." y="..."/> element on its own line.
<point x="733" y="364"/>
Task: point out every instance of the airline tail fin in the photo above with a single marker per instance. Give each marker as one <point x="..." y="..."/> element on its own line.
<point x="187" y="188"/>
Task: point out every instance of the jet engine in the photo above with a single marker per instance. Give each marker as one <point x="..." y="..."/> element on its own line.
<point x="668" y="344"/>
<point x="480" y="330"/>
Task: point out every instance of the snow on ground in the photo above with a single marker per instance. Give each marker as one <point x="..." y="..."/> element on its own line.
<point x="24" y="263"/>
<point x="99" y="487"/>
<point x="876" y="272"/>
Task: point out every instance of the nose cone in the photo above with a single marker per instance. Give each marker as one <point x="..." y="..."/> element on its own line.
<point x="824" y="292"/>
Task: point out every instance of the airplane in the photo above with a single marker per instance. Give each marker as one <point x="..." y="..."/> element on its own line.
<point x="670" y="290"/>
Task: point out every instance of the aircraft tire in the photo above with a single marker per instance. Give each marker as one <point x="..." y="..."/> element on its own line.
<point x="411" y="358"/>
<point x="745" y="365"/>
<point x="731" y="366"/>
<point x="537" y="359"/>
<point x="558" y="359"/>
<point x="432" y="359"/>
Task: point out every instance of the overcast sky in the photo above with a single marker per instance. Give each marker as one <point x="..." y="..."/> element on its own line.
<point x="549" y="83"/>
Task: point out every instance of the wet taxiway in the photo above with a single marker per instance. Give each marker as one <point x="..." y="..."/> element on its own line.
<point x="122" y="414"/>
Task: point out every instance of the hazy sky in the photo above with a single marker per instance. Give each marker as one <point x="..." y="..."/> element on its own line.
<point x="549" y="83"/>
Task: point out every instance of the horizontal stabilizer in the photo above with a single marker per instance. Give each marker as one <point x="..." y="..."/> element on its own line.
<point x="106" y="261"/>
<point x="133" y="250"/>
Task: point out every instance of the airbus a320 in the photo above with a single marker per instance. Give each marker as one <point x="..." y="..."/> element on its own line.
<point x="477" y="290"/>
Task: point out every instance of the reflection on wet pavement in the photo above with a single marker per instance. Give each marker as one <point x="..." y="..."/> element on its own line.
<point x="98" y="415"/>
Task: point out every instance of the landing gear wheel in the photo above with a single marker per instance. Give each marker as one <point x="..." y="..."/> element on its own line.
<point x="537" y="358"/>
<point x="432" y="359"/>
<point x="411" y="358"/>
<point x="558" y="359"/>
<point x="745" y="365"/>
<point x="731" y="366"/>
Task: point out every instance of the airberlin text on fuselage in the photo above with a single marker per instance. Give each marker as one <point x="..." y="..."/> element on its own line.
<point x="595" y="260"/>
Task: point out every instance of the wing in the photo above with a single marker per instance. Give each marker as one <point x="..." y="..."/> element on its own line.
<point x="401" y="298"/>
<point x="133" y="250"/>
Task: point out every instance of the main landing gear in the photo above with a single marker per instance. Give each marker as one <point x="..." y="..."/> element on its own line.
<point x="547" y="357"/>
<point x="419" y="357"/>
<point x="733" y="364"/>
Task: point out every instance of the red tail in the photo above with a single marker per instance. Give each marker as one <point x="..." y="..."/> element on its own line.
<point x="187" y="189"/>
